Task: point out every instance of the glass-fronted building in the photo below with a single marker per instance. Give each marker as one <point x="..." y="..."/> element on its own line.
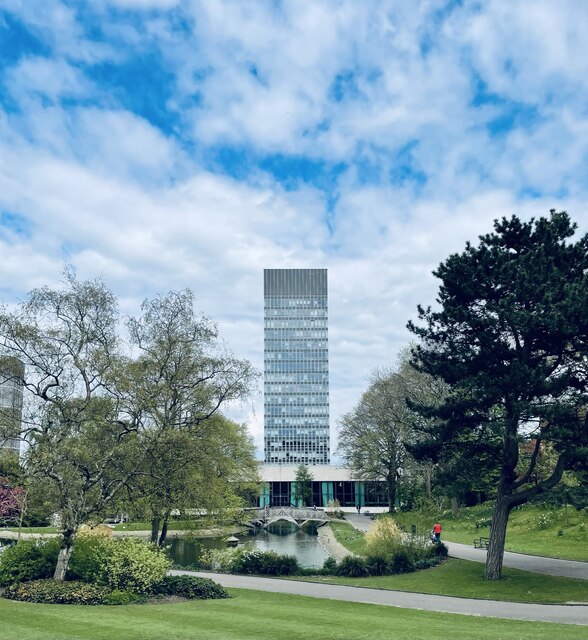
<point x="296" y="367"/>
<point x="11" y="396"/>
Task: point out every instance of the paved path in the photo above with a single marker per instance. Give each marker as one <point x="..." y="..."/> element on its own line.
<point x="534" y="564"/>
<point x="566" y="614"/>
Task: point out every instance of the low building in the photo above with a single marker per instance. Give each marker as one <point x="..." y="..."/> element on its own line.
<point x="330" y="483"/>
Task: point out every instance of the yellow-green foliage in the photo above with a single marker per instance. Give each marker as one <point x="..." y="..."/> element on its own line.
<point x="133" y="565"/>
<point x="383" y="537"/>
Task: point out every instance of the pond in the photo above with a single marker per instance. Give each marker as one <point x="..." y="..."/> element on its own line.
<point x="282" y="537"/>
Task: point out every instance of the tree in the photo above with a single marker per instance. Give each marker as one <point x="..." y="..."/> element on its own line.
<point x="373" y="434"/>
<point x="66" y="343"/>
<point x="302" y="494"/>
<point x="173" y="389"/>
<point x="510" y="339"/>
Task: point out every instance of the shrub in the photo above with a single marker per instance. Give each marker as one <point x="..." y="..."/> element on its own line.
<point x="87" y="558"/>
<point x="377" y="565"/>
<point x="249" y="561"/>
<point x="28" y="560"/>
<point x="222" y="560"/>
<point x="330" y="566"/>
<point x="265" y="563"/>
<point x="132" y="565"/>
<point x="52" y="592"/>
<point x="401" y="561"/>
<point x="189" y="587"/>
<point x="383" y="538"/>
<point x="352" y="567"/>
<point x="439" y="550"/>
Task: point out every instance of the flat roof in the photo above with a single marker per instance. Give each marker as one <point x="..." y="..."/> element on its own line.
<point x="319" y="472"/>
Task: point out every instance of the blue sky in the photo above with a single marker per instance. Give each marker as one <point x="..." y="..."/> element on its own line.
<point x="182" y="143"/>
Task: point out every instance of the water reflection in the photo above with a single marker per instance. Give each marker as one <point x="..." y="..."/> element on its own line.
<point x="282" y="537"/>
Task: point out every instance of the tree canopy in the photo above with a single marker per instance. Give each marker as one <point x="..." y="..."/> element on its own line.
<point x="510" y="337"/>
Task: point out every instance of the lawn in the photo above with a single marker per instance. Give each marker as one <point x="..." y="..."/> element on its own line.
<point x="255" y="615"/>
<point x="533" y="529"/>
<point x="349" y="537"/>
<point x="463" y="578"/>
<point x="466" y="579"/>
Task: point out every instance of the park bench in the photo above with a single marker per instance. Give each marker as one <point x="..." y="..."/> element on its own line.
<point x="481" y="543"/>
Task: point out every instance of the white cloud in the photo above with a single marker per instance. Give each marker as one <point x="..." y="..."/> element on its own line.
<point x="106" y="190"/>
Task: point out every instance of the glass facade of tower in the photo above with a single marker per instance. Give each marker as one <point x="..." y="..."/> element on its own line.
<point x="296" y="367"/>
<point x="11" y="395"/>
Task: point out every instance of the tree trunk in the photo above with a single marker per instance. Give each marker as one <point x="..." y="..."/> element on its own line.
<point x="497" y="538"/>
<point x="163" y="535"/>
<point x="391" y="495"/>
<point x="154" y="530"/>
<point x="64" y="555"/>
<point x="454" y="506"/>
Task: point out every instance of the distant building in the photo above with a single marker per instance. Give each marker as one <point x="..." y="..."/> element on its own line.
<point x="331" y="484"/>
<point x="11" y="394"/>
<point x="296" y="367"/>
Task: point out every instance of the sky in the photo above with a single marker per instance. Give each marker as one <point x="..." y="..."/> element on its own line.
<point x="165" y="144"/>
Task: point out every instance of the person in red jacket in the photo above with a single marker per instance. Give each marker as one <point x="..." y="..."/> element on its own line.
<point x="437" y="532"/>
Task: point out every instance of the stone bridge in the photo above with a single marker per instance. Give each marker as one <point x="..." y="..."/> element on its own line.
<point x="296" y="515"/>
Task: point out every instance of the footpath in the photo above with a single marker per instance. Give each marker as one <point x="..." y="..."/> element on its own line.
<point x="563" y="614"/>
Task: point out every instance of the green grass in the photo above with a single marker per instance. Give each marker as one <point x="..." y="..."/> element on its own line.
<point x="255" y="615"/>
<point x="349" y="537"/>
<point x="533" y="529"/>
<point x="466" y="580"/>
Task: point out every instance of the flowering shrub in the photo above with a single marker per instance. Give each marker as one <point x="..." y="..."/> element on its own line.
<point x="10" y="501"/>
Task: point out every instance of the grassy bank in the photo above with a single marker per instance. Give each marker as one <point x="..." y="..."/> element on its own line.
<point x="258" y="615"/>
<point x="463" y="579"/>
<point x="349" y="537"/>
<point x="533" y="529"/>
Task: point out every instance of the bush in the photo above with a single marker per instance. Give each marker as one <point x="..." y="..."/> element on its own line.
<point x="132" y="565"/>
<point x="402" y="561"/>
<point x="87" y="558"/>
<point x="222" y="560"/>
<point x="28" y="560"/>
<point x="377" y="565"/>
<point x="265" y="563"/>
<point x="383" y="538"/>
<point x="189" y="587"/>
<point x="248" y="561"/>
<point x="439" y="550"/>
<point x="352" y="567"/>
<point x="329" y="566"/>
<point x="52" y="592"/>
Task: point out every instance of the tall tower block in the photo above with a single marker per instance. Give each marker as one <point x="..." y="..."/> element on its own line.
<point x="296" y="367"/>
